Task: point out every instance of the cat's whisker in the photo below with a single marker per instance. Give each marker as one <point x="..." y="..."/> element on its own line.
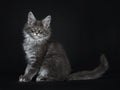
<point x="35" y="34"/>
<point x="38" y="34"/>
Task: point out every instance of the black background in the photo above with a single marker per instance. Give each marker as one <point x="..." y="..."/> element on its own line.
<point x="86" y="29"/>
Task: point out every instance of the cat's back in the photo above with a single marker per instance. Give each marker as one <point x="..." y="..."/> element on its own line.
<point x="56" y="48"/>
<point x="55" y="45"/>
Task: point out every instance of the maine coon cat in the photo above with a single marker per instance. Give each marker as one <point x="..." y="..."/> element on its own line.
<point x="46" y="57"/>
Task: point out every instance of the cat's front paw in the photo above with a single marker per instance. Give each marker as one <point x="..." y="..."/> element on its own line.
<point x="40" y="79"/>
<point x="23" y="78"/>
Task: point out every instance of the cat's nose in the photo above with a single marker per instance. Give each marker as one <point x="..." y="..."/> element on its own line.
<point x="38" y="34"/>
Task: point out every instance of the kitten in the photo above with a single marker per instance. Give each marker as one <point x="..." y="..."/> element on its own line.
<point x="46" y="57"/>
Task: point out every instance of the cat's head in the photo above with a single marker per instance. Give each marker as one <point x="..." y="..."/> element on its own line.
<point x="38" y="29"/>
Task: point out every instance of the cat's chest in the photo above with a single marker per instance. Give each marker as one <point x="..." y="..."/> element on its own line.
<point x="33" y="45"/>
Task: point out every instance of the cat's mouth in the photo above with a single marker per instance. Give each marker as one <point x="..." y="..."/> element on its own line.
<point x="36" y="34"/>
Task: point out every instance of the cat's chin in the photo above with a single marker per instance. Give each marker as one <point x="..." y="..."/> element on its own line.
<point x="41" y="38"/>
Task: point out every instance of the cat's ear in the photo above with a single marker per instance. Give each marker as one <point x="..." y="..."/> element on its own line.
<point x="31" y="19"/>
<point x="46" y="21"/>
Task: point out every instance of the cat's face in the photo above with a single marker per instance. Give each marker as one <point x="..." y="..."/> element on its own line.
<point x="38" y="29"/>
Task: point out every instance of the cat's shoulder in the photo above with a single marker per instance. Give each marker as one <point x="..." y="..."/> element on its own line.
<point x="53" y="41"/>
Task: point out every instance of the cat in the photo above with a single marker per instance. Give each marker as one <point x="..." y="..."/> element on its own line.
<point x="46" y="57"/>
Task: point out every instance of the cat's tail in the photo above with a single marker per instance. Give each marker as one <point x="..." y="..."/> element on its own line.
<point x="94" y="74"/>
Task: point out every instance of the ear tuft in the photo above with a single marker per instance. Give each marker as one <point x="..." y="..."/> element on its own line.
<point x="31" y="18"/>
<point x="46" y="21"/>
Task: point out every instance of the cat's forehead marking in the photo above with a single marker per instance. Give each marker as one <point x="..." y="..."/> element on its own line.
<point x="38" y="23"/>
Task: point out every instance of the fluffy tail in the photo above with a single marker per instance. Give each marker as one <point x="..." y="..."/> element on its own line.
<point x="94" y="74"/>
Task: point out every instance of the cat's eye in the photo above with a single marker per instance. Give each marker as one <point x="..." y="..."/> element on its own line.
<point x="32" y="30"/>
<point x="40" y="31"/>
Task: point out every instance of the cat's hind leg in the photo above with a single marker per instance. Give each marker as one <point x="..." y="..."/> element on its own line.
<point x="46" y="73"/>
<point x="42" y="74"/>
